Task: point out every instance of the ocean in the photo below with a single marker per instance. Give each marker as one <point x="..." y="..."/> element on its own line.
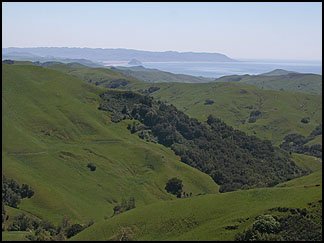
<point x="218" y="69"/>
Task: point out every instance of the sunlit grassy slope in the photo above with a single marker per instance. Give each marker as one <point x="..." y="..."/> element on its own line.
<point x="205" y="217"/>
<point x="14" y="235"/>
<point x="281" y="111"/>
<point x="280" y="80"/>
<point x="52" y="129"/>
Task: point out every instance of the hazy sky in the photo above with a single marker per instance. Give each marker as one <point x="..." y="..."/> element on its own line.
<point x="239" y="30"/>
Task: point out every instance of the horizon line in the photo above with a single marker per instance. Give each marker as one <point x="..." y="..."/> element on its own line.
<point x="197" y="52"/>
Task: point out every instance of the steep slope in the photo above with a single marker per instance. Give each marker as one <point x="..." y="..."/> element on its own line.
<point x="206" y="217"/>
<point x="281" y="112"/>
<point x="106" y="77"/>
<point x="233" y="159"/>
<point x="52" y="129"/>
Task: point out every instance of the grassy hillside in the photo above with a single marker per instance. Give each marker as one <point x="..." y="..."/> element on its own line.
<point x="280" y="80"/>
<point x="14" y="235"/>
<point x="52" y="129"/>
<point x="105" y="77"/>
<point x="205" y="217"/>
<point x="281" y="112"/>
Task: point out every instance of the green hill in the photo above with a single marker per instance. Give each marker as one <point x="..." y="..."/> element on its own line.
<point x="234" y="103"/>
<point x="157" y="76"/>
<point x="205" y="217"/>
<point x="281" y="111"/>
<point x="52" y="129"/>
<point x="280" y="80"/>
<point x="277" y="72"/>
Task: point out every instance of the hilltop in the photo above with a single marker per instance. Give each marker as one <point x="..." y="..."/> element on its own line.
<point x="280" y="80"/>
<point x="278" y="72"/>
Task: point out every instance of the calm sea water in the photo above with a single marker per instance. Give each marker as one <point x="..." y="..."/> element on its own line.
<point x="218" y="69"/>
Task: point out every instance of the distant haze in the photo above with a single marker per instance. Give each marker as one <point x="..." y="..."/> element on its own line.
<point x="238" y="30"/>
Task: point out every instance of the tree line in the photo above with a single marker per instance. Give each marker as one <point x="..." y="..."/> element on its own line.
<point x="233" y="159"/>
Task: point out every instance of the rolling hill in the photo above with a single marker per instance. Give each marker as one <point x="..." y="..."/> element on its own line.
<point x="281" y="80"/>
<point x="157" y="76"/>
<point x="281" y="111"/>
<point x="206" y="217"/>
<point x="52" y="129"/>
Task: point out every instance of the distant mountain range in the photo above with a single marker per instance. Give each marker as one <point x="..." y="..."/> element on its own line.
<point x="26" y="56"/>
<point x="102" y="55"/>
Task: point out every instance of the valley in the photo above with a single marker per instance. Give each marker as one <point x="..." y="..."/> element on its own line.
<point x="53" y="129"/>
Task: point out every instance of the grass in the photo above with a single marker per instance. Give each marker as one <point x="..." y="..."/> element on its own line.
<point x="307" y="162"/>
<point x="14" y="235"/>
<point x="205" y="217"/>
<point x="297" y="82"/>
<point x="52" y="129"/>
<point x="281" y="111"/>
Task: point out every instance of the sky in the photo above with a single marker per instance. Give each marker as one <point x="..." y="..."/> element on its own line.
<point x="239" y="30"/>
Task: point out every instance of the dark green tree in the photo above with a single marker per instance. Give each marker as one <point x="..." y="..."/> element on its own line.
<point x="174" y="186"/>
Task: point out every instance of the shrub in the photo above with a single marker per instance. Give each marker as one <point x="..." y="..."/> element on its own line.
<point x="266" y="224"/>
<point x="73" y="230"/>
<point x="92" y="166"/>
<point x="209" y="102"/>
<point x="305" y="120"/>
<point x="174" y="186"/>
<point x="125" y="205"/>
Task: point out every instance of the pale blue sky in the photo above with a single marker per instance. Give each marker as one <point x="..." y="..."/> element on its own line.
<point x="239" y="30"/>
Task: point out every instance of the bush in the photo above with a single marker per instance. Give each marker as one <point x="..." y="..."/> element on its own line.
<point x="22" y="222"/>
<point x="12" y="193"/>
<point x="209" y="102"/>
<point x="125" y="205"/>
<point x="73" y="230"/>
<point x="266" y="224"/>
<point x="174" y="186"/>
<point x="92" y="166"/>
<point x="305" y="120"/>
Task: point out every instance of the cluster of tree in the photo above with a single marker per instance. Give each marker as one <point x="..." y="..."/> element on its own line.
<point x="43" y="230"/>
<point x="174" y="186"/>
<point x="294" y="225"/>
<point x="232" y="158"/>
<point x="8" y="61"/>
<point x="148" y="91"/>
<point x="298" y="143"/>
<point x="12" y="192"/>
<point x="125" y="205"/>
